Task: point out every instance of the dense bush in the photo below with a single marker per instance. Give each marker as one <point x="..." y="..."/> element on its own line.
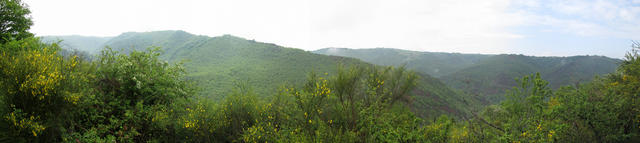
<point x="39" y="88"/>
<point x="132" y="97"/>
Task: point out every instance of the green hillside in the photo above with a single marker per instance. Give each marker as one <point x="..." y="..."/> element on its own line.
<point x="433" y="98"/>
<point x="492" y="76"/>
<point x="218" y="63"/>
<point x="432" y="63"/>
<point x="486" y="76"/>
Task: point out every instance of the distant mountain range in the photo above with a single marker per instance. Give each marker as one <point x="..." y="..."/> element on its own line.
<point x="89" y="44"/>
<point x="216" y="63"/>
<point x="488" y="76"/>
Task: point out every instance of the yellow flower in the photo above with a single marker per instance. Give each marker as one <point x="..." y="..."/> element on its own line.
<point x="539" y="126"/>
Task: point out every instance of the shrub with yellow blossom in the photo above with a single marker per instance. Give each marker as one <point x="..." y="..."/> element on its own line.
<point x="36" y="84"/>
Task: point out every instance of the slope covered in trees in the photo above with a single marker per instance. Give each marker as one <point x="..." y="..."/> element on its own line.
<point x="490" y="77"/>
<point x="217" y="63"/>
<point x="487" y="76"/>
<point x="432" y="63"/>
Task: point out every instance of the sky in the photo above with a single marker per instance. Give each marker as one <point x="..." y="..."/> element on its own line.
<point x="530" y="27"/>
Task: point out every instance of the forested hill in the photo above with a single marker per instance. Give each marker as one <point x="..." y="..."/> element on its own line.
<point x="488" y="76"/>
<point x="494" y="75"/>
<point x="218" y="63"/>
<point x="433" y="63"/>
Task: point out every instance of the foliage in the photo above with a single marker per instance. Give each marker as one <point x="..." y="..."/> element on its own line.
<point x="356" y="105"/>
<point x="38" y="88"/>
<point x="14" y="21"/>
<point x="526" y="115"/>
<point x="604" y="110"/>
<point x="131" y="97"/>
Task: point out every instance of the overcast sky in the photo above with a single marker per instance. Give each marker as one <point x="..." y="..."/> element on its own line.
<point x="530" y="27"/>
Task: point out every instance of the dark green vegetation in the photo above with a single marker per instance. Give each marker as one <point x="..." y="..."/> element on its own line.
<point x="137" y="96"/>
<point x="487" y="76"/>
<point x="14" y="20"/>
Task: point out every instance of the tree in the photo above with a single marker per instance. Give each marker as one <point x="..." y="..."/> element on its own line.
<point x="14" y="21"/>
<point x="358" y="104"/>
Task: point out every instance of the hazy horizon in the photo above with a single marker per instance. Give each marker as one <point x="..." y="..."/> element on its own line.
<point x="454" y="52"/>
<point x="538" y="28"/>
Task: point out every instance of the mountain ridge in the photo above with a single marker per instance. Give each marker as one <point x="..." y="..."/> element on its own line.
<point x="486" y="75"/>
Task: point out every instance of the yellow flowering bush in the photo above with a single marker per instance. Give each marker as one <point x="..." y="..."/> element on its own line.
<point x="21" y="123"/>
<point x="36" y="84"/>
